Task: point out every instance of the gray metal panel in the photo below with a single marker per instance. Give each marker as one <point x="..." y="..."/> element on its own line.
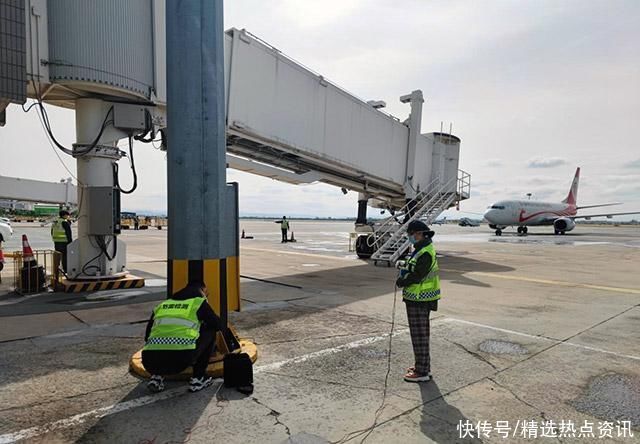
<point x="127" y="116"/>
<point x="100" y="207"/>
<point x="103" y="42"/>
<point x="13" y="62"/>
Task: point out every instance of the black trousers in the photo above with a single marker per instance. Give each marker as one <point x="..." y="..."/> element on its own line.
<point x="61" y="247"/>
<point x="284" y="234"/>
<point x="172" y="362"/>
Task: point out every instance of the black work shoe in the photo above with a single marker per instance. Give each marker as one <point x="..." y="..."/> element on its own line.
<point x="197" y="384"/>
<point x="156" y="384"/>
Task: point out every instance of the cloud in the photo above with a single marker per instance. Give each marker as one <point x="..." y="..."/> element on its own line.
<point x="633" y="164"/>
<point x="494" y="163"/>
<point x="545" y="162"/>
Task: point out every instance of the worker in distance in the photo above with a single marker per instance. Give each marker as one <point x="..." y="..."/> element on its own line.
<point x="61" y="235"/>
<point x="420" y="282"/>
<point x="181" y="333"/>
<point x="284" y="228"/>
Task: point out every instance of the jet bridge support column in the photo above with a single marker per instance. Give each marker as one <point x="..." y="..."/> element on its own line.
<point x="415" y="121"/>
<point x="96" y="254"/>
<point x="202" y="243"/>
<point x="363" y="199"/>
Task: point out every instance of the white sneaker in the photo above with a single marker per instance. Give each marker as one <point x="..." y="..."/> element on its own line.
<point x="156" y="384"/>
<point x="197" y="384"/>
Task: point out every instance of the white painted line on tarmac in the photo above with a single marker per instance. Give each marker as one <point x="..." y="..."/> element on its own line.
<point x="101" y="412"/>
<point x="326" y="351"/>
<point x="526" y="335"/>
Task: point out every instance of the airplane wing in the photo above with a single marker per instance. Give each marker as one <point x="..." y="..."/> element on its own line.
<point x="599" y="205"/>
<point x="589" y="216"/>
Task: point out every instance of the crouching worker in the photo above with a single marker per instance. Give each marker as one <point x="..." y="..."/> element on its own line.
<point x="181" y="333"/>
<point x="420" y="283"/>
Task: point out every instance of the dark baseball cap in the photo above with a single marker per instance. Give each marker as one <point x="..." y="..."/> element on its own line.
<point x="417" y="226"/>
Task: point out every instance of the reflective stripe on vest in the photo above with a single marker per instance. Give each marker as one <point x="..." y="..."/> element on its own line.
<point x="58" y="234"/>
<point x="429" y="288"/>
<point x="176" y="321"/>
<point x="176" y="325"/>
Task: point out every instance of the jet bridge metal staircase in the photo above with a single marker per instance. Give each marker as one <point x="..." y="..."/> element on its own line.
<point x="390" y="239"/>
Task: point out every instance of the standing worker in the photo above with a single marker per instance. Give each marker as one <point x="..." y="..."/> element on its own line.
<point x="284" y="227"/>
<point x="181" y="333"/>
<point x="61" y="236"/>
<point x="136" y="223"/>
<point x="420" y="283"/>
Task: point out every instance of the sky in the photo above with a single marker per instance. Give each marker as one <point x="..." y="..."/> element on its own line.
<point x="533" y="88"/>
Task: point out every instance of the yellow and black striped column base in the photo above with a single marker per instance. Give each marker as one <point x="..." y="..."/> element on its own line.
<point x="222" y="279"/>
<point x="130" y="281"/>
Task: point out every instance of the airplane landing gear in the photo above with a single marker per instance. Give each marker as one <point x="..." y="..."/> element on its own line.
<point x="559" y="232"/>
<point x="522" y="230"/>
<point x="498" y="232"/>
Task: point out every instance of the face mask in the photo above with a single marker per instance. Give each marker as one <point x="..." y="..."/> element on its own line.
<point x="412" y="239"/>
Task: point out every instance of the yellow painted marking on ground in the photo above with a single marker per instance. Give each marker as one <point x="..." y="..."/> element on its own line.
<point x="547" y="281"/>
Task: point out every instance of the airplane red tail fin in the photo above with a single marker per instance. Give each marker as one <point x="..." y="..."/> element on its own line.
<point x="572" y="197"/>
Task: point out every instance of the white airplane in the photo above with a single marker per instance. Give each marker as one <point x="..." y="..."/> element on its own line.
<point x="524" y="213"/>
<point x="439" y="221"/>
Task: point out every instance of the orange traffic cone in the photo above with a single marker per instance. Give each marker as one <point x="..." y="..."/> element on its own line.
<point x="32" y="276"/>
<point x="293" y="239"/>
<point x="28" y="259"/>
<point x="243" y="234"/>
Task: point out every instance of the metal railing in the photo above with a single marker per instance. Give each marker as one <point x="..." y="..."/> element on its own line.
<point x="391" y="224"/>
<point x="464" y="185"/>
<point x="427" y="209"/>
<point x="38" y="275"/>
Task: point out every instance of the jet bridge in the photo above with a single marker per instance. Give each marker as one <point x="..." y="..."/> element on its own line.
<point x="283" y="120"/>
<point x="289" y="123"/>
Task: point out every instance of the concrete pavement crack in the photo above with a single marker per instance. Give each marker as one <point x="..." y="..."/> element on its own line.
<point x="472" y="353"/>
<point x="275" y="414"/>
<point x="77" y="318"/>
<point x="542" y="414"/>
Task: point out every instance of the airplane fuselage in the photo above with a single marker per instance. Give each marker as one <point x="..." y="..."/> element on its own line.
<point x="522" y="213"/>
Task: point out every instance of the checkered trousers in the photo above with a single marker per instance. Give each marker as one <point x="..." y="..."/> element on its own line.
<point x="418" y="316"/>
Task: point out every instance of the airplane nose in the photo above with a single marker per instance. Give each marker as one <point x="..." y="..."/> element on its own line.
<point x="488" y="215"/>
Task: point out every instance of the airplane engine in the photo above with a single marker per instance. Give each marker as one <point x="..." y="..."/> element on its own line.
<point x="564" y="224"/>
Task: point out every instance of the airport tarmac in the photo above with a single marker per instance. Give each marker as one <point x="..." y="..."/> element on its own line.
<point x="531" y="329"/>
